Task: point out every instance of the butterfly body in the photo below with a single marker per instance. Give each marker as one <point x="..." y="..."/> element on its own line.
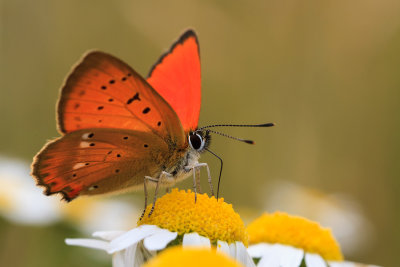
<point x="118" y="129"/>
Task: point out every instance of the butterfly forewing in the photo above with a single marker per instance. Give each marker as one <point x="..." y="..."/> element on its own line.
<point x="96" y="161"/>
<point x="104" y="92"/>
<point x="177" y="77"/>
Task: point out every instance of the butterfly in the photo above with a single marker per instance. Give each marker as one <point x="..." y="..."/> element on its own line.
<point x="120" y="131"/>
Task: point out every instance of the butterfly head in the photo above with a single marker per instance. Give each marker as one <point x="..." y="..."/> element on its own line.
<point x="199" y="140"/>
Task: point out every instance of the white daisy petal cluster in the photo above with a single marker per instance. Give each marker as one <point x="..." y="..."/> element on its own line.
<point x="136" y="246"/>
<point x="236" y="250"/>
<point x="209" y="227"/>
<point x="282" y="240"/>
<point x="278" y="255"/>
<point x="131" y="248"/>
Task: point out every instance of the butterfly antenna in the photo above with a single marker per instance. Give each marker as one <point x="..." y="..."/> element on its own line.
<point x="220" y="170"/>
<point x="270" y="124"/>
<point x="234" y="138"/>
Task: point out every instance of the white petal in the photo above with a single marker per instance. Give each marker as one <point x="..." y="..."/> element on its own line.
<point x="242" y="256"/>
<point x="289" y="256"/>
<point x="237" y="251"/>
<point x="118" y="259"/>
<point x="222" y="246"/>
<point x="133" y="256"/>
<point x="314" y="260"/>
<point x="232" y="250"/>
<point x="130" y="255"/>
<point x="131" y="237"/>
<point x="159" y="240"/>
<point x="194" y="239"/>
<point x="258" y="250"/>
<point x="276" y="255"/>
<point x="126" y="257"/>
<point x="269" y="259"/>
<point x="107" y="235"/>
<point x="89" y="243"/>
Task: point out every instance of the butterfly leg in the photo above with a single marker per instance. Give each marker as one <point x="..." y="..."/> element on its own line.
<point x="195" y="170"/>
<point x="198" y="166"/>
<point x="194" y="184"/>
<point x="198" y="184"/>
<point x="146" y="178"/>
<point x="162" y="179"/>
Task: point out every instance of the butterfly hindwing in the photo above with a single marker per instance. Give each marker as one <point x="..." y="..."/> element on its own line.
<point x="177" y="78"/>
<point x="96" y="161"/>
<point x="104" y="92"/>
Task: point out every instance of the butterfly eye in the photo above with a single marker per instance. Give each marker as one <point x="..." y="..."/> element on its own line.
<point x="196" y="141"/>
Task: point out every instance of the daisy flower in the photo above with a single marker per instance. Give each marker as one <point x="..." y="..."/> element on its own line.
<point x="176" y="220"/>
<point x="338" y="211"/>
<point x="178" y="256"/>
<point x="279" y="239"/>
<point x="20" y="200"/>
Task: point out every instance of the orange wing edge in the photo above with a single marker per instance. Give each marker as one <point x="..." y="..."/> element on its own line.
<point x="186" y="35"/>
<point x="35" y="173"/>
<point x="60" y="102"/>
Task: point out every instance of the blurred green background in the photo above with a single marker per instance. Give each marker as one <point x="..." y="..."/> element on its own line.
<point x="327" y="72"/>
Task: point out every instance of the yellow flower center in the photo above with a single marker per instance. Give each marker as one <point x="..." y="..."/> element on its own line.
<point x="178" y="212"/>
<point x="194" y="257"/>
<point x="296" y="231"/>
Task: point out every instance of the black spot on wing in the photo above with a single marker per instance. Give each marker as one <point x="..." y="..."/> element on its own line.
<point x="135" y="97"/>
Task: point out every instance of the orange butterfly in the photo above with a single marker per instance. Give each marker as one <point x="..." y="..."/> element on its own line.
<point x="118" y="132"/>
